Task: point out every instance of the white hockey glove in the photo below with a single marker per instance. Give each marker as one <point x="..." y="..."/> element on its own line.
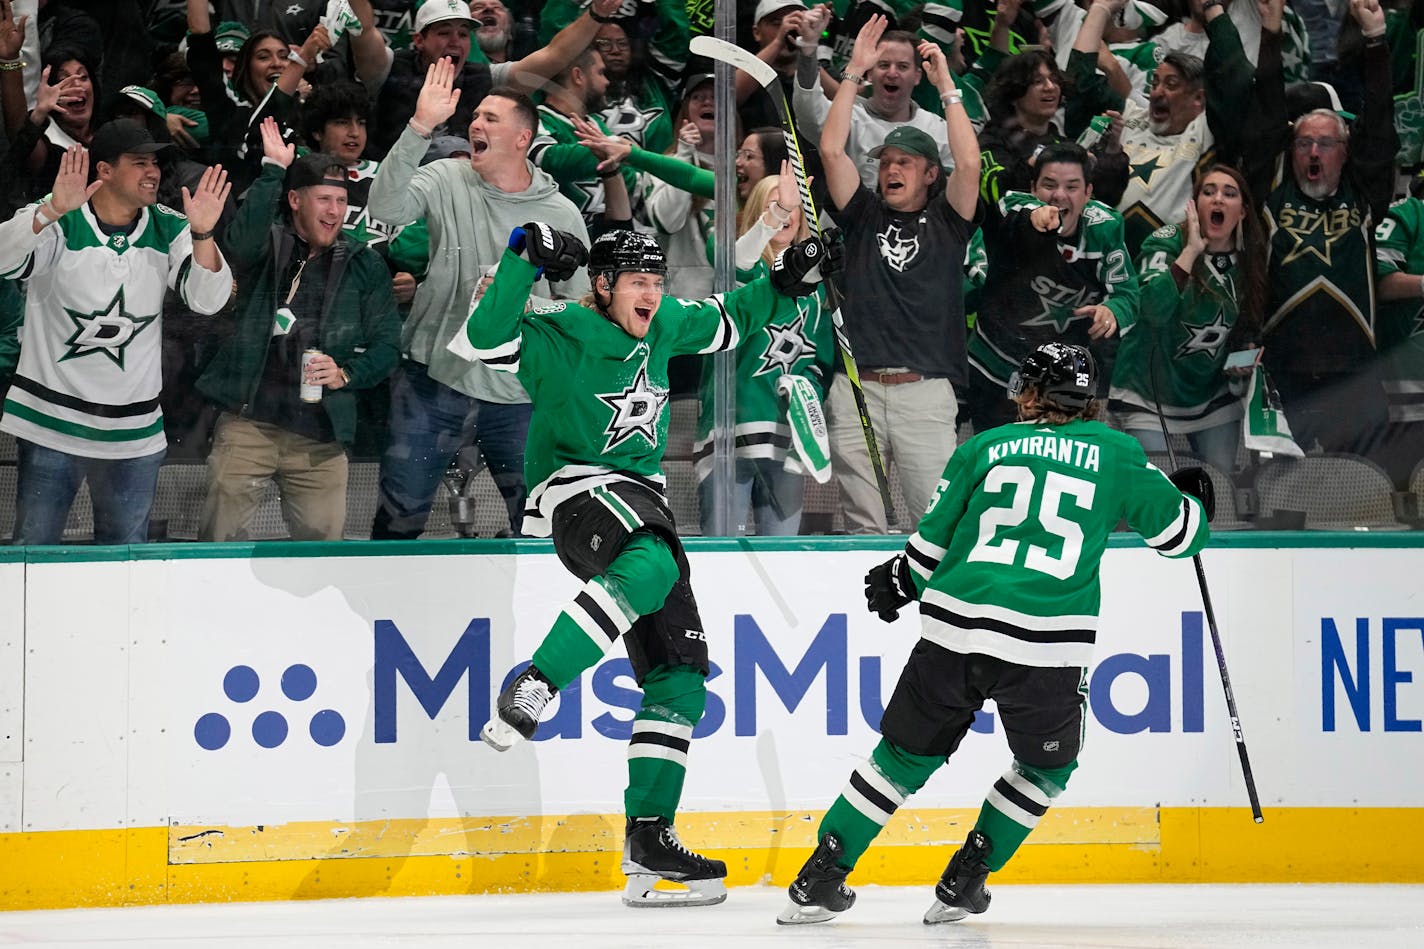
<point x="809" y="436"/>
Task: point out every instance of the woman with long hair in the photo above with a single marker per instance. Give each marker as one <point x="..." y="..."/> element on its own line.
<point x="1203" y="286"/>
<point x="768" y="482"/>
<point x="64" y="115"/>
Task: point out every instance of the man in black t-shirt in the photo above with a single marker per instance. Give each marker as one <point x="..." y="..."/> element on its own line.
<point x="904" y="306"/>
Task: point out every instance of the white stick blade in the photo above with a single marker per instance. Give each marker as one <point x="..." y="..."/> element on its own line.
<point x="713" y="48"/>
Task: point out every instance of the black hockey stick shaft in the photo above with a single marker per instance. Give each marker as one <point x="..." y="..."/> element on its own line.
<point x="735" y="56"/>
<point x="1230" y="693"/>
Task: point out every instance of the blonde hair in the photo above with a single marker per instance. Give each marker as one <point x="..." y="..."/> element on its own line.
<point x="1035" y="408"/>
<point x="758" y="198"/>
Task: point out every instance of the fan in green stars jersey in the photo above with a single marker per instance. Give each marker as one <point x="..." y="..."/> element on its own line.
<point x="596" y="372"/>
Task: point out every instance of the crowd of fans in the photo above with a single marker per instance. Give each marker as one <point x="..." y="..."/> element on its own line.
<point x="1222" y="200"/>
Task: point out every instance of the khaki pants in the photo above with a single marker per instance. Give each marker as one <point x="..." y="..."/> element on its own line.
<point x="914" y="423"/>
<point x="311" y="476"/>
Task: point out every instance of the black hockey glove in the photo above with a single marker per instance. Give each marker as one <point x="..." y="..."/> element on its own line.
<point x="557" y="253"/>
<point x="796" y="270"/>
<point x="889" y="587"/>
<point x="1196" y="482"/>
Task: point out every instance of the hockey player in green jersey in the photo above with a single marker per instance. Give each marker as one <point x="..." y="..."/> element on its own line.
<point x="1005" y="565"/>
<point x="597" y="374"/>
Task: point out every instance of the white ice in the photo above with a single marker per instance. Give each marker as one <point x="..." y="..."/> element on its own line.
<point x="1132" y="917"/>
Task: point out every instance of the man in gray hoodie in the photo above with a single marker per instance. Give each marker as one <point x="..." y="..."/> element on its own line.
<point x="470" y="207"/>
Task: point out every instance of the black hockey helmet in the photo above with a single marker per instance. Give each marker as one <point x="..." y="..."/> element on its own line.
<point x="616" y="252"/>
<point x="1062" y="374"/>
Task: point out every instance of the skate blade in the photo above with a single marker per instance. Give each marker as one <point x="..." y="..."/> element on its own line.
<point x="797" y="915"/>
<point x="944" y="913"/>
<point x="498" y="735"/>
<point x="643" y="892"/>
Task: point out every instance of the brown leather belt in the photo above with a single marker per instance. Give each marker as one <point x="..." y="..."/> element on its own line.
<point x="891" y="378"/>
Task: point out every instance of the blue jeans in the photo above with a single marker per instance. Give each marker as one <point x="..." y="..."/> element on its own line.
<point x="121" y="490"/>
<point x="430" y="422"/>
<point x="1217" y="446"/>
<point x="763" y="487"/>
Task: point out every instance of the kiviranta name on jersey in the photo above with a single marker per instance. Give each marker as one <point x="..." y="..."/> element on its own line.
<point x="1070" y="451"/>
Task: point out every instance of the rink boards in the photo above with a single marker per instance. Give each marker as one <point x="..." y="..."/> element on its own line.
<point x="184" y="723"/>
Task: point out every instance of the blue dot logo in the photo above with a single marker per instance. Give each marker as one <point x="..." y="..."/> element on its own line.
<point x="270" y="728"/>
<point x="241" y="684"/>
<point x="212" y="731"/>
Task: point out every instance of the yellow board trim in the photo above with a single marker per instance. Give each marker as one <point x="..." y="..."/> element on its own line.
<point x="57" y="869"/>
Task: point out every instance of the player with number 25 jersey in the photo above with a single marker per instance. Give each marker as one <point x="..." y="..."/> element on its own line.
<point x="1005" y="566"/>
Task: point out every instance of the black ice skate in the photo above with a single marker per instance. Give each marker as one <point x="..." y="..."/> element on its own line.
<point x="517" y="710"/>
<point x="819" y="892"/>
<point x="653" y="852"/>
<point x="961" y="890"/>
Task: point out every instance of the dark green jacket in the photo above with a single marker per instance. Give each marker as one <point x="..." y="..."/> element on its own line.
<point x="360" y="327"/>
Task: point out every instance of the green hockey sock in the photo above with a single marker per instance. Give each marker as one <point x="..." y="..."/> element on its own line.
<point x="636" y="583"/>
<point x="1015" y="804"/>
<point x="673" y="700"/>
<point x="876" y="789"/>
<point x="583" y="633"/>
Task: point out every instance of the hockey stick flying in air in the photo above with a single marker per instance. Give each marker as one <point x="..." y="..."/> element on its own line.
<point x="1211" y="625"/>
<point x="735" y="56"/>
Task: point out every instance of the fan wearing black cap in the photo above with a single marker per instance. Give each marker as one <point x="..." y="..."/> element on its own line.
<point x="306" y="285"/>
<point x="98" y="255"/>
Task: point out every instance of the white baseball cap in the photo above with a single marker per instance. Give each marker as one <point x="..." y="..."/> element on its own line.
<point x="766" y="8"/>
<point x="438" y="11"/>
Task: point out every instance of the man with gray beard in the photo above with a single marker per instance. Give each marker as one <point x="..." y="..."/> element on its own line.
<point x="1336" y="182"/>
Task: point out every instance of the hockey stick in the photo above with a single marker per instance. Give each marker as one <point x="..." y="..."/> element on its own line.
<point x="738" y="58"/>
<point x="1211" y="624"/>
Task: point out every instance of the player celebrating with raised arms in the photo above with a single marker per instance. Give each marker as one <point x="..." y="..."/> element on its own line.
<point x="1005" y="566"/>
<point x="596" y="371"/>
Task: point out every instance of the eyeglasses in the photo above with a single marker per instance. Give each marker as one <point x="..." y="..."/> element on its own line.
<point x="607" y="46"/>
<point x="1306" y="143"/>
<point x="746" y="154"/>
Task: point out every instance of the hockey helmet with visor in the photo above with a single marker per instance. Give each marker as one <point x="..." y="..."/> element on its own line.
<point x="616" y="252"/>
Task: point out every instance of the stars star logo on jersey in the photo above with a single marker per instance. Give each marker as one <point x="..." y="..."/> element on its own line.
<point x="635" y="411"/>
<point x="1312" y="234"/>
<point x="108" y="331"/>
<point x="787" y="346"/>
<point x="1144" y="170"/>
<point x="626" y="119"/>
<point x="1058" y="306"/>
<point x="295" y="9"/>
<point x="1205" y="339"/>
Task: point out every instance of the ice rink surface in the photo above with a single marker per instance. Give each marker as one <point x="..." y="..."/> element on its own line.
<point x="1150" y="917"/>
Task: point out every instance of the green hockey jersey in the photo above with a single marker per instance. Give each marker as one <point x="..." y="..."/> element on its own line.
<point x="598" y="393"/>
<point x="1399" y="248"/>
<point x="89" y="374"/>
<point x="1177" y="349"/>
<point x="1006" y="559"/>
<point x="556" y="150"/>
<point x="801" y="343"/>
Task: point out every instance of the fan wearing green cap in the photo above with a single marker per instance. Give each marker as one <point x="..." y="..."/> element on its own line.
<point x="904" y="311"/>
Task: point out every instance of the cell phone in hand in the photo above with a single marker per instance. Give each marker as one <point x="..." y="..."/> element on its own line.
<point x="1244" y="359"/>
